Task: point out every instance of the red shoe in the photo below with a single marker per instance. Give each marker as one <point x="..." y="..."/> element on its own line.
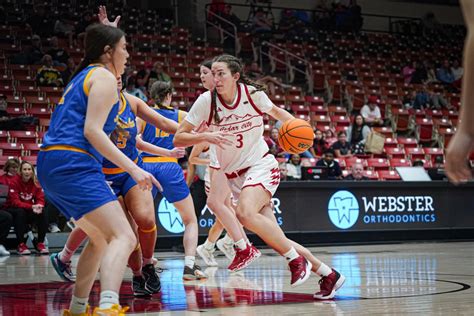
<point x="23" y="249"/>
<point x="328" y="285"/>
<point x="42" y="249"/>
<point x="300" y="270"/>
<point x="243" y="258"/>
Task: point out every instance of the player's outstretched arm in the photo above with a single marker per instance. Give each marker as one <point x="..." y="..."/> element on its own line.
<point x="280" y="114"/>
<point x="462" y="144"/>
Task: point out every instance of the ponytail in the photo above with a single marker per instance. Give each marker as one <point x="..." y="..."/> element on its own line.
<point x="217" y="119"/>
<point x="249" y="82"/>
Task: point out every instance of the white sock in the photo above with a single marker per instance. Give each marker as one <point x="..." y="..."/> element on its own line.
<point x="108" y="298"/>
<point x="78" y="305"/>
<point x="189" y="261"/>
<point x="227" y="239"/>
<point x="65" y="255"/>
<point x="241" y="244"/>
<point x="209" y="245"/>
<point x="292" y="254"/>
<point x="323" y="270"/>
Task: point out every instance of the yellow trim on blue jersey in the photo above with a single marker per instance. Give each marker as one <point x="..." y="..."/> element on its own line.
<point x="143" y="127"/>
<point x="181" y="115"/>
<point x="84" y="85"/>
<point x="66" y="147"/>
<point x="116" y="170"/>
<point x="124" y="103"/>
<point x="159" y="159"/>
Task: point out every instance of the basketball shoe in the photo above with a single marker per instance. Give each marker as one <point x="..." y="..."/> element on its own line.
<point x="300" y="270"/>
<point x="243" y="258"/>
<point x="115" y="310"/>
<point x="23" y="249"/>
<point x="207" y="255"/>
<point x="152" y="280"/>
<point x="193" y="274"/>
<point x="139" y="287"/>
<point x="328" y="285"/>
<point x="62" y="269"/>
<point x="227" y="249"/>
<point x="66" y="312"/>
<point x="41" y="248"/>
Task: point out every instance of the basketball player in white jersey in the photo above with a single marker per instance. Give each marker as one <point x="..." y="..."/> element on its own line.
<point x="462" y="144"/>
<point x="235" y="108"/>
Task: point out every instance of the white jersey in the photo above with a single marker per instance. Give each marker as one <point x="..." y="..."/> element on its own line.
<point x="243" y="119"/>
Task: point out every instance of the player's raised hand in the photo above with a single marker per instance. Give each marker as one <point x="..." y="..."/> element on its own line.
<point x="103" y="18"/>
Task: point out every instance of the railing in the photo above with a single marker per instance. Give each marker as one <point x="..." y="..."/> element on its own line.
<point x="290" y="69"/>
<point x="222" y="31"/>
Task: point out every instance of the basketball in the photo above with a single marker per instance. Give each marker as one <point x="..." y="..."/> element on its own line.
<point x="295" y="136"/>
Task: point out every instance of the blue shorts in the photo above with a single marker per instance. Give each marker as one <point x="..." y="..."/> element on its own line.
<point x="122" y="182"/>
<point x="73" y="182"/>
<point x="171" y="177"/>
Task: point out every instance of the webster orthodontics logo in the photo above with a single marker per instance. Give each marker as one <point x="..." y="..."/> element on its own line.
<point x="344" y="209"/>
<point x="169" y="217"/>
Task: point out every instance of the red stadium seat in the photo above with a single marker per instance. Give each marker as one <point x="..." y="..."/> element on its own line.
<point x="39" y="112"/>
<point x="30" y="159"/>
<point x="31" y="149"/>
<point x="399" y="162"/>
<point x="407" y="142"/>
<point x="395" y="152"/>
<point x="401" y="120"/>
<point x="22" y="137"/>
<point x="10" y="149"/>
<point x="15" y="112"/>
<point x="390" y="142"/>
<point x="371" y="174"/>
<point x="4" y="136"/>
<point x="340" y="120"/>
<point x="390" y="175"/>
<point x="433" y="152"/>
<point x="424" y="130"/>
<point x="415" y="153"/>
<point x="352" y="160"/>
<point x="378" y="164"/>
<point x="386" y="131"/>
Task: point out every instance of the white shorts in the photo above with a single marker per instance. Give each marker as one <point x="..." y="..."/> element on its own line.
<point x="265" y="173"/>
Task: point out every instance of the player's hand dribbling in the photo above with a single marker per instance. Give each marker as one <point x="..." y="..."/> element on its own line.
<point x="220" y="139"/>
<point x="457" y="155"/>
<point x="145" y="180"/>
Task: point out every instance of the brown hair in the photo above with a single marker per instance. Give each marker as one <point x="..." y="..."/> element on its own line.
<point x="10" y="163"/>
<point x="159" y="90"/>
<point x="235" y="65"/>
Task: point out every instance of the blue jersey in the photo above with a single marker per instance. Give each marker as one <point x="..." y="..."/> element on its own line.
<point x="124" y="136"/>
<point x="156" y="136"/>
<point x="66" y="130"/>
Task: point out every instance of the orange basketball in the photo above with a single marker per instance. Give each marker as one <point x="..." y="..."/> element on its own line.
<point x="295" y="136"/>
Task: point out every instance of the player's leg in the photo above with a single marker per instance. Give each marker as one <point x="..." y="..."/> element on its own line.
<point x="61" y="261"/>
<point x="331" y="280"/>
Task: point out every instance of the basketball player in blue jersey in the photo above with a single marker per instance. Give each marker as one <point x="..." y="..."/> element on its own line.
<point x="70" y="168"/>
<point x="170" y="174"/>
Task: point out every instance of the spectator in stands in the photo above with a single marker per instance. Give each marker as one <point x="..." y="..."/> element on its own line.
<point x="217" y="7"/>
<point x="64" y="28"/>
<point x="334" y="169"/>
<point x="426" y="98"/>
<point x="431" y="73"/>
<point x="86" y="20"/>
<point x="420" y="75"/>
<point x="418" y="163"/>
<point x="287" y="23"/>
<point x="146" y="77"/>
<point x="422" y="99"/>
<point x="445" y="74"/>
<point x="40" y="22"/>
<point x="371" y="112"/>
<point x="357" y="135"/>
<point x="408" y="71"/>
<point x="48" y="76"/>
<point x="6" y="221"/>
<point x="294" y="167"/>
<point x="319" y="144"/>
<point x="357" y="173"/>
<point x="457" y="70"/>
<point x="132" y="89"/>
<point x="437" y="172"/>
<point x="261" y="23"/>
<point x="228" y="15"/>
<point x="431" y="26"/>
<point x="330" y="137"/>
<point x="25" y="203"/>
<point x="59" y="55"/>
<point x="438" y="101"/>
<point x="10" y="171"/>
<point x="342" y="148"/>
<point x="409" y="99"/>
<point x="272" y="142"/>
<point x="32" y="54"/>
<point x="67" y="73"/>
<point x="283" y="171"/>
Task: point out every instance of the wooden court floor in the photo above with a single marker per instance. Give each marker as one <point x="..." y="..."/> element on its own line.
<point x="395" y="279"/>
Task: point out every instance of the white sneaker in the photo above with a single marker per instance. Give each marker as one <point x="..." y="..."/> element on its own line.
<point x="53" y="228"/>
<point x="207" y="255"/>
<point x="3" y="251"/>
<point x="227" y="249"/>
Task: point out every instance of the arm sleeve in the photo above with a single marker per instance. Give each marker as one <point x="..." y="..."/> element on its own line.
<point x="200" y="110"/>
<point x="262" y="101"/>
<point x="363" y="112"/>
<point x="365" y="132"/>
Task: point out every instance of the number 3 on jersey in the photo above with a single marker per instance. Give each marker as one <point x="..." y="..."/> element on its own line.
<point x="240" y="142"/>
